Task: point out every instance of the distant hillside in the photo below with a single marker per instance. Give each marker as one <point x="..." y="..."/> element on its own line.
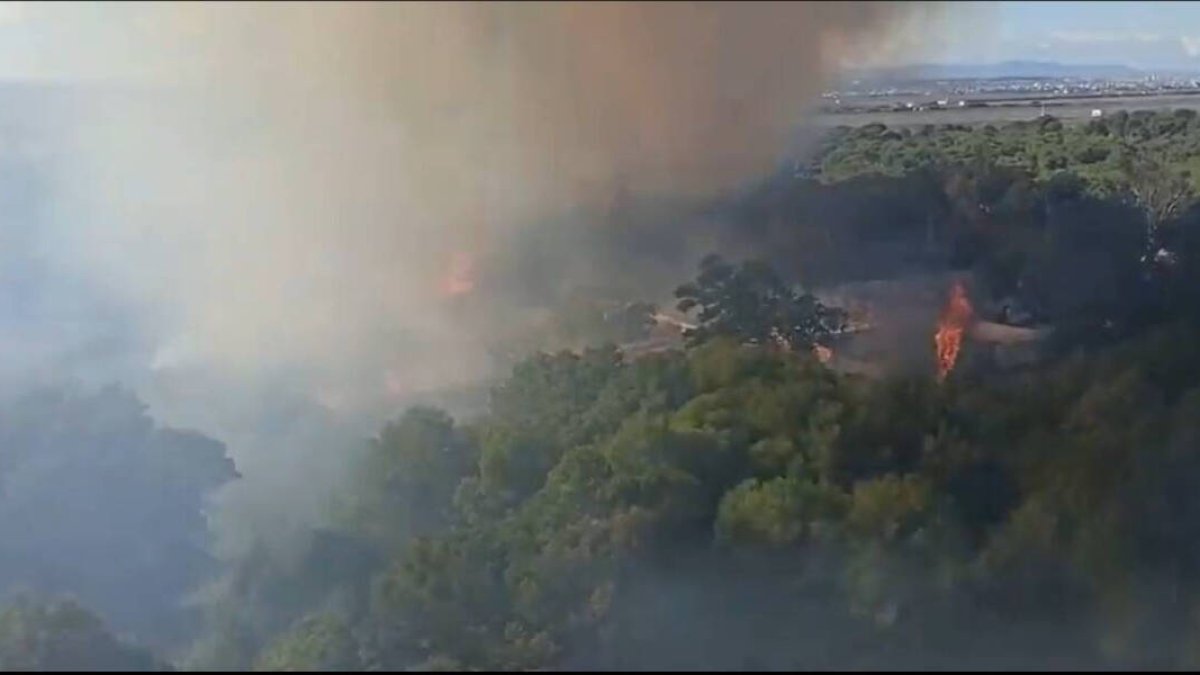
<point x="1004" y="70"/>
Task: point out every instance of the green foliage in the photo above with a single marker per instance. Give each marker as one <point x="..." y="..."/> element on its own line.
<point x="1097" y="150"/>
<point x="946" y="520"/>
<point x="750" y="303"/>
<point x="119" y="506"/>
<point x="780" y="512"/>
<point x="409" y="476"/>
<point x="888" y="508"/>
<point x="317" y="643"/>
<point x="719" y="505"/>
<point x="38" y="635"/>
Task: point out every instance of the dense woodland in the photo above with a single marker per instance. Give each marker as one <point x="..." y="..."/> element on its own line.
<point x="731" y="504"/>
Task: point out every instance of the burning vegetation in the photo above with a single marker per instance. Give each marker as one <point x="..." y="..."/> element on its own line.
<point x="950" y="329"/>
<point x="824" y="354"/>
<point x="460" y="275"/>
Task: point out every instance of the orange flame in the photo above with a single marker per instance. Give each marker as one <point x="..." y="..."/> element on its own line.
<point x="460" y="276"/>
<point x="951" y="326"/>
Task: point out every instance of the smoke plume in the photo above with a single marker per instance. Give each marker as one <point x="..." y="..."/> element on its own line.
<point x="277" y="191"/>
<point x="293" y="190"/>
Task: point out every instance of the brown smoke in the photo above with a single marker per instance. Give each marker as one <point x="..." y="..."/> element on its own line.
<point x="297" y="197"/>
<point x="674" y="97"/>
<point x="278" y="190"/>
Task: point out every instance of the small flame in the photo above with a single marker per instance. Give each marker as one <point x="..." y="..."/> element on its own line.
<point x="823" y="354"/>
<point x="951" y="326"/>
<point x="460" y="276"/>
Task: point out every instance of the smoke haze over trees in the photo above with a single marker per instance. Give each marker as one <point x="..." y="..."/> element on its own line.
<point x="98" y="502"/>
<point x="366" y="275"/>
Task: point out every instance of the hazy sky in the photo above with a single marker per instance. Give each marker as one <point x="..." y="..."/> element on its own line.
<point x="1143" y="34"/>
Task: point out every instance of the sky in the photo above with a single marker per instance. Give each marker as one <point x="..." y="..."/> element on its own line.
<point x="1156" y="35"/>
<point x="1160" y="35"/>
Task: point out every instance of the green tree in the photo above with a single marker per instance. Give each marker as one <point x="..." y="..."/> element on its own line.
<point x="321" y="642"/>
<point x="54" y="635"/>
<point x="779" y="512"/>
<point x="751" y="303"/>
<point x="99" y="502"/>
<point x="408" y="479"/>
<point x="1161" y="193"/>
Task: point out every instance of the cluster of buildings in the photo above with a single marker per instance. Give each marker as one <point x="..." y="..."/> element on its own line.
<point x="990" y="87"/>
<point x="950" y="94"/>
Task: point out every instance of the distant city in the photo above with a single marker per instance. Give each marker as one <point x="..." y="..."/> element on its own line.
<point x="1004" y="92"/>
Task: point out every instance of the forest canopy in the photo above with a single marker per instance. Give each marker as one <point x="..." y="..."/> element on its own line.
<point x="732" y="502"/>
